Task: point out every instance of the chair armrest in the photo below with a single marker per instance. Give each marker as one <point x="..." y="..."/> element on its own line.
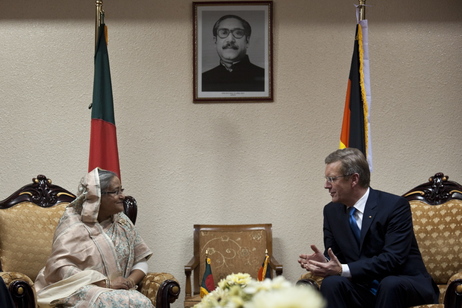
<point x="161" y="288"/>
<point x="309" y="279"/>
<point x="188" y="268"/>
<point x="191" y="265"/>
<point x="21" y="288"/>
<point x="453" y="295"/>
<point x="276" y="266"/>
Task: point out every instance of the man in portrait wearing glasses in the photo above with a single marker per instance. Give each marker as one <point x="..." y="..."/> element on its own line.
<point x="371" y="257"/>
<point x="231" y="35"/>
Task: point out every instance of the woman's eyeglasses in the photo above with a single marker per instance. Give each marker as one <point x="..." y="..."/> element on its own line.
<point x="113" y="193"/>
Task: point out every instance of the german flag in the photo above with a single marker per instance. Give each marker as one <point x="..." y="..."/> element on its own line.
<point x="265" y="269"/>
<point x="356" y="125"/>
<point x="103" y="137"/>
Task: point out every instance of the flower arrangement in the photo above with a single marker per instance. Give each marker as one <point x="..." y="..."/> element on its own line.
<point x="242" y="291"/>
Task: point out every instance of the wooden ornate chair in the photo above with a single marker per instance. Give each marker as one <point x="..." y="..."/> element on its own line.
<point x="231" y="249"/>
<point x="28" y="219"/>
<point x="437" y="220"/>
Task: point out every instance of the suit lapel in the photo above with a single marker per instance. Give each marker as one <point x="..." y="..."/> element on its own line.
<point x="370" y="211"/>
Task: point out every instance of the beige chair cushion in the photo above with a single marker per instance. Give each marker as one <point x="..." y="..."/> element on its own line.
<point x="438" y="230"/>
<point x="26" y="236"/>
<point x="151" y="284"/>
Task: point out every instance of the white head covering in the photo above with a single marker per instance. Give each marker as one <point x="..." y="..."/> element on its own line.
<point x="89" y="197"/>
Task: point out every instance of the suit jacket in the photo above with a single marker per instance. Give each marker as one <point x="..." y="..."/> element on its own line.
<point x="245" y="77"/>
<point x="387" y="244"/>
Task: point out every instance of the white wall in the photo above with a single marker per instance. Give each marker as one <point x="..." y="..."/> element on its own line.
<point x="236" y="162"/>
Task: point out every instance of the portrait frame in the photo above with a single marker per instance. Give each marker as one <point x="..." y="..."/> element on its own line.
<point x="257" y="68"/>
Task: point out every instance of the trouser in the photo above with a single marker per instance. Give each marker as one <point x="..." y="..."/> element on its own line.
<point x="5" y="297"/>
<point x="393" y="291"/>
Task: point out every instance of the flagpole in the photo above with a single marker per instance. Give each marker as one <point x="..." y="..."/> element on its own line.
<point x="362" y="9"/>
<point x="98" y="19"/>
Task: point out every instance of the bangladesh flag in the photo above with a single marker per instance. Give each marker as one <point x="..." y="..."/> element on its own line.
<point x="103" y="136"/>
<point x="207" y="284"/>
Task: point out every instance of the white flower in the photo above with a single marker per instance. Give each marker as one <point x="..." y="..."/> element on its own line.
<point x="294" y="297"/>
<point x="234" y="279"/>
<point x="241" y="291"/>
<point x="266" y="285"/>
<point x="213" y="299"/>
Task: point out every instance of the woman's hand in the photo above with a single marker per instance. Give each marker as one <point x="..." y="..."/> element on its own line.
<point x="122" y="283"/>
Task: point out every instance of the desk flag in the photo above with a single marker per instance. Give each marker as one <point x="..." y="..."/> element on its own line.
<point x="103" y="138"/>
<point x="265" y="269"/>
<point x="356" y="125"/>
<point x="207" y="284"/>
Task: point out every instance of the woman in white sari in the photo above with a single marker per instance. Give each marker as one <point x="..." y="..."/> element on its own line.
<point x="98" y="258"/>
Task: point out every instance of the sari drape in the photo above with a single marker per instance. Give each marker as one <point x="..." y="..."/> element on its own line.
<point x="85" y="251"/>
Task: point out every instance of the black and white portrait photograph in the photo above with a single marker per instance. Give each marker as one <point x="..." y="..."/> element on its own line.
<point x="232" y="51"/>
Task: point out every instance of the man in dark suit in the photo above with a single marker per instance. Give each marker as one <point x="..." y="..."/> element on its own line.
<point x="379" y="267"/>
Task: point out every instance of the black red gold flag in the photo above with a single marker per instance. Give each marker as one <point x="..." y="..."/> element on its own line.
<point x="356" y="116"/>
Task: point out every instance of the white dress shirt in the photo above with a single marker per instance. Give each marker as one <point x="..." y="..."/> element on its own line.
<point x="359" y="205"/>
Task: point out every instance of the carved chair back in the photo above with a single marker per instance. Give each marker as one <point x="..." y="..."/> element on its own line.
<point x="28" y="219"/>
<point x="437" y="219"/>
<point x="232" y="248"/>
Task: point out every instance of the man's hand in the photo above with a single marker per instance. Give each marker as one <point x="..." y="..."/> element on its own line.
<point x="315" y="256"/>
<point x="324" y="269"/>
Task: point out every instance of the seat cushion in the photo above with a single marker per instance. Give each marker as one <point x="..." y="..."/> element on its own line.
<point x="151" y="284"/>
<point x="438" y="229"/>
<point x="26" y="235"/>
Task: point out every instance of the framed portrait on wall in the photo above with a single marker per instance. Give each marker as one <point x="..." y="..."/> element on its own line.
<point x="233" y="54"/>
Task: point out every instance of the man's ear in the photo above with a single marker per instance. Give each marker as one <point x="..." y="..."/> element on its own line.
<point x="214" y="39"/>
<point x="354" y="179"/>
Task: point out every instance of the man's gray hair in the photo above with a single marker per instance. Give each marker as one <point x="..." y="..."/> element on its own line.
<point x="352" y="161"/>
